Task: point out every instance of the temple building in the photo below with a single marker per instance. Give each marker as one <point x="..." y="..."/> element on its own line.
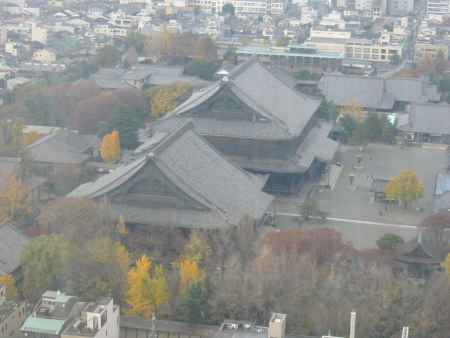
<point x="423" y="254"/>
<point x="178" y="179"/>
<point x="259" y="122"/>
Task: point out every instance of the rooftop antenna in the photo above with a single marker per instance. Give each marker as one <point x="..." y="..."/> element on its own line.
<point x="352" y="324"/>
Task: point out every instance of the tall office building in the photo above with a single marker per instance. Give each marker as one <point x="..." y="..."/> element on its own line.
<point x="438" y="7"/>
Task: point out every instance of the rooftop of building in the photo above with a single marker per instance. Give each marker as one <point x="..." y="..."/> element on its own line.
<point x="81" y="326"/>
<point x="7" y="307"/>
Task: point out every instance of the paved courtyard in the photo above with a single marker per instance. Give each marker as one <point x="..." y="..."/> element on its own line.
<point x="354" y="201"/>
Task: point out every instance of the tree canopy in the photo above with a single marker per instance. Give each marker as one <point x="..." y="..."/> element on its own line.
<point x="405" y="188"/>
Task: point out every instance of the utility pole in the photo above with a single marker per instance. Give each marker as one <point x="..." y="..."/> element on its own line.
<point x="405" y="332"/>
<point x="353" y="324"/>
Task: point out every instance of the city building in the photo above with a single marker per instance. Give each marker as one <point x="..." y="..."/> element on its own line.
<point x="438" y="7"/>
<point x="328" y="40"/>
<point x="12" y="314"/>
<point x="178" y="179"/>
<point x="425" y="51"/>
<point x="97" y="320"/>
<point x="304" y="55"/>
<point x="58" y="315"/>
<point x="370" y="50"/>
<point x="3" y="35"/>
<point x="243" y="329"/>
<point x="11" y="48"/>
<point x="400" y="7"/>
<point x="38" y="34"/>
<point x="44" y="56"/>
<point x="51" y="315"/>
<point x="273" y="7"/>
<point x="270" y="128"/>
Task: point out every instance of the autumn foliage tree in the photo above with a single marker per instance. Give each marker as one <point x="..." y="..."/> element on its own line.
<point x="13" y="204"/>
<point x="31" y="137"/>
<point x="78" y="219"/>
<point x="189" y="273"/>
<point x="10" y="284"/>
<point x="147" y="291"/>
<point x="165" y="98"/>
<point x="110" y="147"/>
<point x="354" y="110"/>
<point x="404" y="188"/>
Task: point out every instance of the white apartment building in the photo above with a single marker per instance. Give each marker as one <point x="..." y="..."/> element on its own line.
<point x="333" y="19"/>
<point x="110" y="31"/>
<point x="98" y="320"/>
<point x="438" y="7"/>
<point x="38" y="34"/>
<point x="368" y="50"/>
<point x="400" y="7"/>
<point x="374" y="8"/>
<point x="273" y="7"/>
<point x="11" y="48"/>
<point x="329" y="41"/>
<point x="3" y="35"/>
<point x="308" y="15"/>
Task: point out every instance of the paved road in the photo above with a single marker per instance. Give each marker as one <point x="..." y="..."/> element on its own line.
<point x="362" y="234"/>
<point x="356" y="221"/>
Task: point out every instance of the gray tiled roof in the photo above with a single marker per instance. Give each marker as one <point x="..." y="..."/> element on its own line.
<point x="287" y="111"/>
<point x="63" y="146"/>
<point x="11" y="245"/>
<point x="317" y="145"/>
<point x="370" y="92"/>
<point x="428" y="118"/>
<point x="412" y="90"/>
<point x="193" y="166"/>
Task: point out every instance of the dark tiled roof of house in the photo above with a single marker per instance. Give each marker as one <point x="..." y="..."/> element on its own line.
<point x="12" y="242"/>
<point x="64" y="147"/>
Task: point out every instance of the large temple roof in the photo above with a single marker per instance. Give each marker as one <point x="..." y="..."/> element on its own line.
<point x="285" y="111"/>
<point x="225" y="192"/>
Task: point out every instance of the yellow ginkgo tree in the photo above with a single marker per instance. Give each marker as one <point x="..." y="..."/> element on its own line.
<point x="13" y="202"/>
<point x="404" y="188"/>
<point x="110" y="147"/>
<point x="147" y="289"/>
<point x="10" y="284"/>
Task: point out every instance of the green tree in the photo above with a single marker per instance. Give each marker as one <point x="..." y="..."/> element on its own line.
<point x="97" y="268"/>
<point x="136" y="40"/>
<point x="194" y="305"/>
<point x="374" y="127"/>
<point x="127" y="124"/>
<point x="328" y="110"/>
<point x="360" y="135"/>
<point x="349" y="125"/>
<point x="43" y="261"/>
<point x="202" y="69"/>
<point x="228" y="9"/>
<point x="107" y="56"/>
<point x="77" y="219"/>
<point x="389" y="242"/>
